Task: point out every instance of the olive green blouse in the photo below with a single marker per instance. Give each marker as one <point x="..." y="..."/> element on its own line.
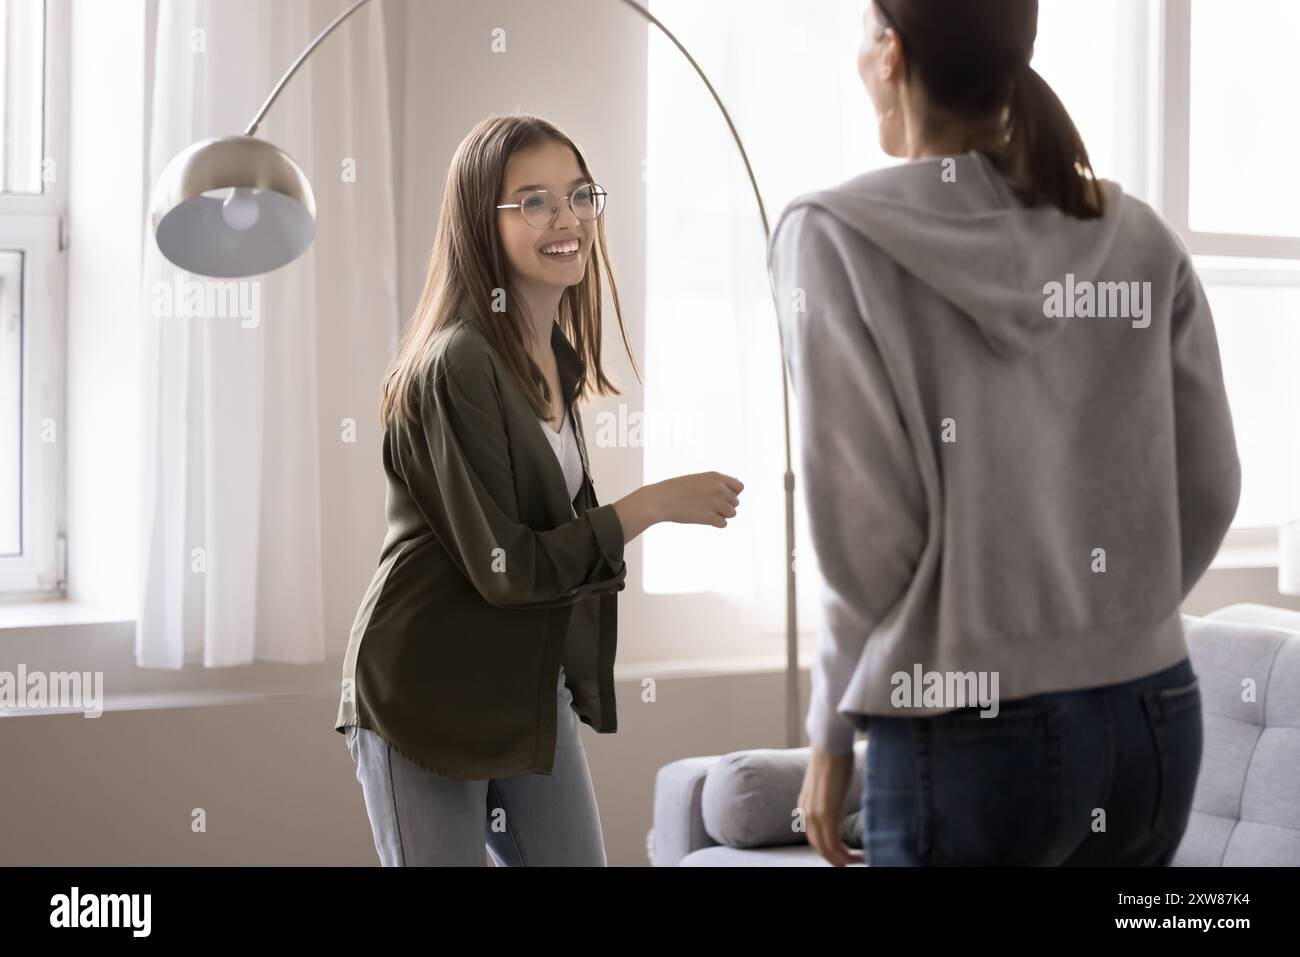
<point x="487" y="582"/>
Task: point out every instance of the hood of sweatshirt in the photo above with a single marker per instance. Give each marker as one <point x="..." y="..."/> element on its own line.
<point x="956" y="224"/>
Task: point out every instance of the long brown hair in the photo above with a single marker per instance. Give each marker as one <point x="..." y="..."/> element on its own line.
<point x="972" y="58"/>
<point x="467" y="265"/>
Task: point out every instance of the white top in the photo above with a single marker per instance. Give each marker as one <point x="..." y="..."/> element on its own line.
<point x="565" y="444"/>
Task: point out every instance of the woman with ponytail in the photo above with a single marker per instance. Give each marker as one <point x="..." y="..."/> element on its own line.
<point x="1017" y="459"/>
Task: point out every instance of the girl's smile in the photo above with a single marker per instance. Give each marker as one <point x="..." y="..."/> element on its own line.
<point x="566" y="249"/>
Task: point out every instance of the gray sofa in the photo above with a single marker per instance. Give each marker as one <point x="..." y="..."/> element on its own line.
<point x="735" y="810"/>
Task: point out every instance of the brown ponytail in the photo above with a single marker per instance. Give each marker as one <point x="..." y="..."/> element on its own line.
<point x="972" y="58"/>
<point x="1047" y="153"/>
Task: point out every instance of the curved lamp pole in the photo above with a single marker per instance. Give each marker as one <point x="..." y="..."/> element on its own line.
<point x="792" y="724"/>
<point x="263" y="216"/>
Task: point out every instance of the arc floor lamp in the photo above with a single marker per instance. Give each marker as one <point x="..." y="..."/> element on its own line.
<point x="237" y="205"/>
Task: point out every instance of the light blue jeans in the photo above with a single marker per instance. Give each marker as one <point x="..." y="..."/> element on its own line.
<point x="421" y="819"/>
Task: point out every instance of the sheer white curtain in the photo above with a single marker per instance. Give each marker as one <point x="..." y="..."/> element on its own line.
<point x="787" y="72"/>
<point x="258" y="403"/>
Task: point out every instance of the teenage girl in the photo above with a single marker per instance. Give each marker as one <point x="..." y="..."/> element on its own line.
<point x="490" y="626"/>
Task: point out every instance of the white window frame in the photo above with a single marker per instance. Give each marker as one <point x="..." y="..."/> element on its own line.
<point x="1243" y="546"/>
<point x="1174" y="149"/>
<point x="34" y="225"/>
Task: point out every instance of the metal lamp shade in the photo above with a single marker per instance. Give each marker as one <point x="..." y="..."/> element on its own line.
<point x="272" y="224"/>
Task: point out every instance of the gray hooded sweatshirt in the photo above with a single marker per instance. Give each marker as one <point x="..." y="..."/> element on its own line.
<point x="1016" y="453"/>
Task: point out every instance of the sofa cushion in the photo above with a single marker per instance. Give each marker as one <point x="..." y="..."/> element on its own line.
<point x="1246" y="809"/>
<point x="749" y="797"/>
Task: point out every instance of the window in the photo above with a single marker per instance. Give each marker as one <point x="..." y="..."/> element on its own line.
<point x="31" y="296"/>
<point x="712" y="347"/>
<point x="1150" y="83"/>
<point x="1230" y="83"/>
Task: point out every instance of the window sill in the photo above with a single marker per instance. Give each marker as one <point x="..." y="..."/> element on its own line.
<point x="1246" y="556"/>
<point x="184" y="698"/>
<point x="774" y="663"/>
<point x="56" y="613"/>
<point x="64" y="636"/>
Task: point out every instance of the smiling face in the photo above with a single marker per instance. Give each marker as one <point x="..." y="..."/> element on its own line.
<point x="552" y="166"/>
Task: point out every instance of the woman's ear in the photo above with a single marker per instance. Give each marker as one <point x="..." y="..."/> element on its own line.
<point x="891" y="56"/>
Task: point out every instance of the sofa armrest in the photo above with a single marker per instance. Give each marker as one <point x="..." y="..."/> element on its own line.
<point x="1247" y="613"/>
<point x="678" y="820"/>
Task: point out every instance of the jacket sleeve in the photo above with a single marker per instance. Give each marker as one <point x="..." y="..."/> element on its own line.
<point x="459" y="473"/>
<point x="1209" y="470"/>
<point x="862" y="491"/>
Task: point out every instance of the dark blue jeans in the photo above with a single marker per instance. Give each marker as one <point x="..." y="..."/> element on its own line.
<point x="1102" y="776"/>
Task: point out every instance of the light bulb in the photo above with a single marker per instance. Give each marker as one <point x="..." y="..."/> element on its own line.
<point x="240" y="210"/>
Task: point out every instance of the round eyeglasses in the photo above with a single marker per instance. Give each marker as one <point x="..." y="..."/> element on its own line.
<point x="540" y="208"/>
